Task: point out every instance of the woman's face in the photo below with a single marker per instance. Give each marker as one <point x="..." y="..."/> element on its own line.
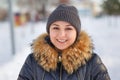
<point x="62" y="34"/>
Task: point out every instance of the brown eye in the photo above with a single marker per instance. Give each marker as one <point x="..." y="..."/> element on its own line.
<point x="68" y="28"/>
<point x="55" y="28"/>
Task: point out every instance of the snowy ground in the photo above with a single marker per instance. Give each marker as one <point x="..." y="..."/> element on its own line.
<point x="104" y="31"/>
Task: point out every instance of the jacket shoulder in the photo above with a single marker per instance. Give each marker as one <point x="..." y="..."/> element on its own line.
<point x="96" y="62"/>
<point x="96" y="58"/>
<point x="98" y="68"/>
<point x="29" y="69"/>
<point x="30" y="57"/>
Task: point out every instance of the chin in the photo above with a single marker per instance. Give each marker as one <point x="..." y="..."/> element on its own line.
<point x="61" y="48"/>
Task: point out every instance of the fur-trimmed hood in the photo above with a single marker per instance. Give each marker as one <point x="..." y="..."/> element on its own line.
<point x="71" y="58"/>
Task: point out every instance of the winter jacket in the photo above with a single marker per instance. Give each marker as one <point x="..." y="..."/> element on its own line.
<point x="78" y="62"/>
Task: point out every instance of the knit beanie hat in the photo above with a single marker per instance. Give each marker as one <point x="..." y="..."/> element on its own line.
<point x="65" y="13"/>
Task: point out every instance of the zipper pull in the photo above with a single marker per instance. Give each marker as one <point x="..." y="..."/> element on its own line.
<point x="59" y="58"/>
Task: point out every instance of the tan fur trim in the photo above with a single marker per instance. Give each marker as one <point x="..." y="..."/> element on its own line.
<point x="72" y="57"/>
<point x="44" y="54"/>
<point x="78" y="54"/>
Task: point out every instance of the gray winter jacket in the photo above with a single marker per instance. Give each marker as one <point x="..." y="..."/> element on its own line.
<point x="78" y="62"/>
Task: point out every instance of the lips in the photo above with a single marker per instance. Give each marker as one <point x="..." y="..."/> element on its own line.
<point x="61" y="41"/>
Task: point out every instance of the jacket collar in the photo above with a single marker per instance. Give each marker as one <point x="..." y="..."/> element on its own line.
<point x="73" y="57"/>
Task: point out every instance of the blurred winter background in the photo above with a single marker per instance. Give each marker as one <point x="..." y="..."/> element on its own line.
<point x="21" y="21"/>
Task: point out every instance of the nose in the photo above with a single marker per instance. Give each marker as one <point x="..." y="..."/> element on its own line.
<point x="62" y="33"/>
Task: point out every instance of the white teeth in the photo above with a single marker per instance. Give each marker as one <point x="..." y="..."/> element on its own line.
<point x="61" y="40"/>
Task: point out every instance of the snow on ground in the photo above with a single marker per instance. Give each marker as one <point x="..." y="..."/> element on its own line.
<point x="10" y="70"/>
<point x="104" y="31"/>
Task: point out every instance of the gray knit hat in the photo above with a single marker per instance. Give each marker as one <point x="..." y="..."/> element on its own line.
<point x="65" y="13"/>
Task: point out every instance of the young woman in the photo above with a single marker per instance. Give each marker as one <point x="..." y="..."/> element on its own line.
<point x="64" y="52"/>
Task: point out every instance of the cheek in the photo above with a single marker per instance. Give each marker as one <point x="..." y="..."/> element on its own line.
<point x="72" y="38"/>
<point x="73" y="35"/>
<point x="52" y="35"/>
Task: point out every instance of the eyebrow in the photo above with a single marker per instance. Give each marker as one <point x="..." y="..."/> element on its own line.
<point x="55" y="24"/>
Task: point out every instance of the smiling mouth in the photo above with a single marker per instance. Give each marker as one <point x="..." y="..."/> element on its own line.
<point x="61" y="41"/>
